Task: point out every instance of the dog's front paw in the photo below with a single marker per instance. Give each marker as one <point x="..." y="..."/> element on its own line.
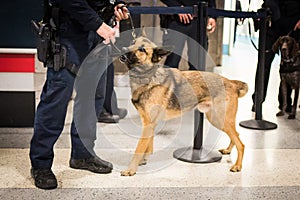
<point x="280" y="113"/>
<point x="128" y="172"/>
<point x="224" y="151"/>
<point x="236" y="168"/>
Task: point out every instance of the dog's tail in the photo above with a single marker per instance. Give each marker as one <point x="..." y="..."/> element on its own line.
<point x="241" y="87"/>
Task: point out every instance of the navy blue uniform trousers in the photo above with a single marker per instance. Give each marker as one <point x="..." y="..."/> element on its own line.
<point x="176" y="35"/>
<point x="52" y="109"/>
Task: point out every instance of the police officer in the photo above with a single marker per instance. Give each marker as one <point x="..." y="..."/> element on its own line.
<point x="76" y="19"/>
<point x="182" y="28"/>
<point x="285" y="19"/>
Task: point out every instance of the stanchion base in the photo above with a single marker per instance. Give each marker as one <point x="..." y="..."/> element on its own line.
<point x="258" y="124"/>
<point x="189" y="154"/>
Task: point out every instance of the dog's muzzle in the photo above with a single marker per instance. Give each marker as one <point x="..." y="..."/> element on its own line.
<point x="127" y="57"/>
<point x="123" y="58"/>
<point x="284" y="52"/>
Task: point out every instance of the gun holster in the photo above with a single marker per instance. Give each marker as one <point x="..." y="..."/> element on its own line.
<point x="43" y="34"/>
<point x="48" y="50"/>
<point x="59" y="55"/>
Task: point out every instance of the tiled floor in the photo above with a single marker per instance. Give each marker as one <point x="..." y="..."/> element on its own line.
<point x="270" y="168"/>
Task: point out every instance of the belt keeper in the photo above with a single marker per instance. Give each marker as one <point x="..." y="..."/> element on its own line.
<point x="73" y="68"/>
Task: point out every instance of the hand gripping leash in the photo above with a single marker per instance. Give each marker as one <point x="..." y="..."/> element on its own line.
<point x="113" y="49"/>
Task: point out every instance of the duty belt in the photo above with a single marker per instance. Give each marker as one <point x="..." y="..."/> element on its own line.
<point x="74" y="69"/>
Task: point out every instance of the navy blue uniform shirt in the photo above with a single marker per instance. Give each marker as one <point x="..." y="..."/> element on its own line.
<point x="74" y="29"/>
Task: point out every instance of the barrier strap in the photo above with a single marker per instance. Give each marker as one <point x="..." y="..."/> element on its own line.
<point x="212" y="12"/>
<point x="161" y="10"/>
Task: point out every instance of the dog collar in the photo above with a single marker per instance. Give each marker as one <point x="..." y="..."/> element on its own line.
<point x="289" y="60"/>
<point x="140" y="77"/>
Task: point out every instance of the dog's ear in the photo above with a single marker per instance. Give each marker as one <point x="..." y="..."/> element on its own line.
<point x="159" y="52"/>
<point x="276" y="45"/>
<point x="295" y="48"/>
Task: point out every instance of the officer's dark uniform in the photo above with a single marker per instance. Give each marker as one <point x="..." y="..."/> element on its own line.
<point x="182" y="33"/>
<point x="282" y="24"/>
<point x="77" y="18"/>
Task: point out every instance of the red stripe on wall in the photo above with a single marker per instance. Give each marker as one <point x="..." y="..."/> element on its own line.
<point x="17" y="62"/>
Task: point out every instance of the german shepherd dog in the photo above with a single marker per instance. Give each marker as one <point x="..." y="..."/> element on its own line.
<point x="289" y="71"/>
<point x="160" y="93"/>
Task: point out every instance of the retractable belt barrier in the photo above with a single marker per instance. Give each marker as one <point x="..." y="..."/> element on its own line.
<point x="197" y="153"/>
<point x="212" y="12"/>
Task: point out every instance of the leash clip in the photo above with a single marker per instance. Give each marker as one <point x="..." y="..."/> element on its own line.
<point x="132" y="26"/>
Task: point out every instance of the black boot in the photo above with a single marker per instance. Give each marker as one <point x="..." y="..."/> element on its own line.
<point x="44" y="178"/>
<point x="93" y="164"/>
<point x="106" y="117"/>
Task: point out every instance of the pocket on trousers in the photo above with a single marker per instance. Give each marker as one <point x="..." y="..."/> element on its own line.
<point x="58" y="86"/>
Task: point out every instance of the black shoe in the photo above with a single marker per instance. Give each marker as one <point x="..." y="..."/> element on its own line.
<point x="122" y="112"/>
<point x="106" y="117"/>
<point x="44" y="178"/>
<point x="93" y="164"/>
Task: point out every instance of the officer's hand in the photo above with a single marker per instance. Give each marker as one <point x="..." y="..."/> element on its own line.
<point x="121" y="12"/>
<point x="185" y="18"/>
<point x="297" y="26"/>
<point x="106" y="32"/>
<point x="211" y="25"/>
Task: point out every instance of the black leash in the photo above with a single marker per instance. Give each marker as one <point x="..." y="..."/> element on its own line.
<point x="114" y="50"/>
<point x="132" y="26"/>
<point x="289" y="33"/>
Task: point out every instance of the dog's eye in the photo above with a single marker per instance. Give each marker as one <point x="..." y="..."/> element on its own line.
<point x="142" y="49"/>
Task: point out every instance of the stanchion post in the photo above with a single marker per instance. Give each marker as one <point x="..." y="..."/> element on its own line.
<point x="198" y="154"/>
<point x="201" y="62"/>
<point x="259" y="85"/>
<point x="258" y="123"/>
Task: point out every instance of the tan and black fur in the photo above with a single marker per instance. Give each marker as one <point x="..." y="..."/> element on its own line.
<point x="163" y="93"/>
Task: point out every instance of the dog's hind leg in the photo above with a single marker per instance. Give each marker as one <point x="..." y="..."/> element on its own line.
<point x="234" y="136"/>
<point x="228" y="149"/>
<point x="216" y="117"/>
<point x="223" y="116"/>
<point x="230" y="129"/>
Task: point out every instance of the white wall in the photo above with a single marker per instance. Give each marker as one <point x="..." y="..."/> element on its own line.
<point x="243" y="28"/>
<point x="228" y="28"/>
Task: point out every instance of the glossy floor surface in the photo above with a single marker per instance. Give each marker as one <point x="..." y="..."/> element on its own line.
<point x="271" y="167"/>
